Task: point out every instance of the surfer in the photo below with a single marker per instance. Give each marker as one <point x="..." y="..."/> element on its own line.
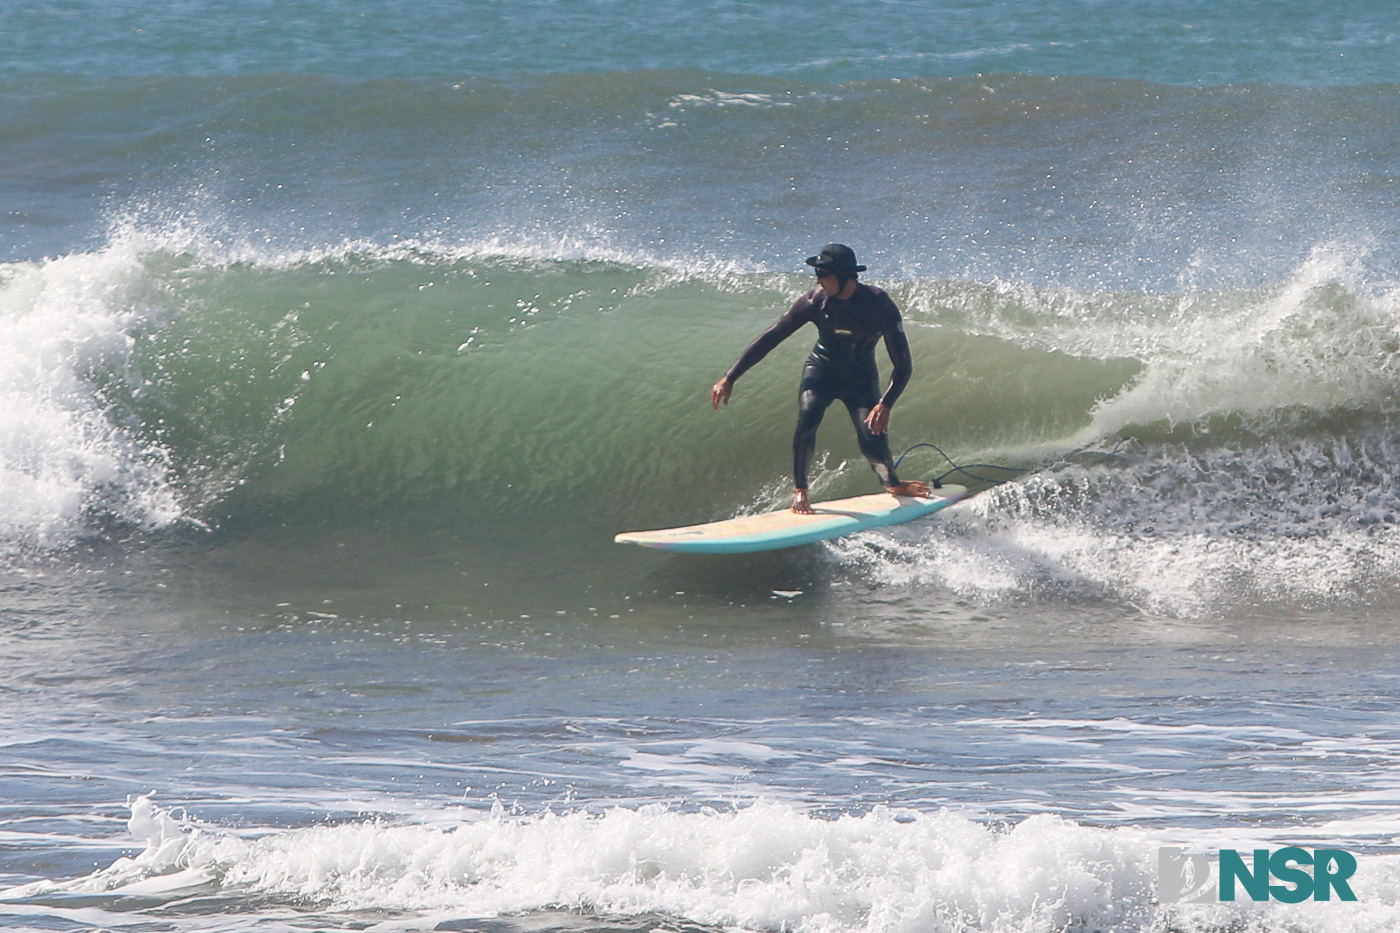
<point x="851" y="318"/>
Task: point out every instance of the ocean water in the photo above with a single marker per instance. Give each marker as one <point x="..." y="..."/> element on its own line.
<point x="338" y="339"/>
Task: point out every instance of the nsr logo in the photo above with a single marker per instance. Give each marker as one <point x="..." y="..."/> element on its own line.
<point x="1185" y="879"/>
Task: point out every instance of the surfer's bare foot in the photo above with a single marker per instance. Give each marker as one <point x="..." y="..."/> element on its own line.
<point x="913" y="487"/>
<point x="800" y="505"/>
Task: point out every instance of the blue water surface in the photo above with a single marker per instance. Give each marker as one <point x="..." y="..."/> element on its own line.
<point x="1302" y="42"/>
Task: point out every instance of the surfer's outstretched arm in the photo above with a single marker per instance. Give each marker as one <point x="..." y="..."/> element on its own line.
<point x="785" y="327"/>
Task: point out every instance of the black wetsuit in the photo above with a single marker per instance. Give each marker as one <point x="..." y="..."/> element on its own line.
<point x="841" y="366"/>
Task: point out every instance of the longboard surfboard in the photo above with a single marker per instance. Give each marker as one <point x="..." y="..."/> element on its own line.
<point x="785" y="528"/>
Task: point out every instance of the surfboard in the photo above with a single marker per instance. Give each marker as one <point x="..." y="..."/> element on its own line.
<point x="785" y="528"/>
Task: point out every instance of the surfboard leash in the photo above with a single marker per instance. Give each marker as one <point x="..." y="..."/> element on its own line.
<point x="961" y="468"/>
<point x="965" y="469"/>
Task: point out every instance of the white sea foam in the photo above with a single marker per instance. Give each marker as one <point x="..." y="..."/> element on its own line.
<point x="728" y="99"/>
<point x="761" y="867"/>
<point x="65" y="454"/>
<point x="1318" y="343"/>
<point x="1168" y="550"/>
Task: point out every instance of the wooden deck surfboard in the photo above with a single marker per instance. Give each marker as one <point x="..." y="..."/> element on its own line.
<point x="785" y="528"/>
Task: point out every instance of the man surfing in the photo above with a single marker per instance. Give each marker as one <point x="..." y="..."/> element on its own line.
<point x="851" y="318"/>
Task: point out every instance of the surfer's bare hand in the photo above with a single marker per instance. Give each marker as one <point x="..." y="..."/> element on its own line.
<point x="800" y="505"/>
<point x="719" y="394"/>
<point x="913" y="487"/>
<point x="878" y="421"/>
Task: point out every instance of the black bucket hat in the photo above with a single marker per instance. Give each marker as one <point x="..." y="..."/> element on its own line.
<point x="836" y="257"/>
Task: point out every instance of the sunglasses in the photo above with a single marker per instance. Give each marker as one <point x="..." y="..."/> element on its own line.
<point x="825" y="274"/>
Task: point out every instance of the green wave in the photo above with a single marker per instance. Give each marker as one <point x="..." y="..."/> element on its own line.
<point x="484" y="388"/>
